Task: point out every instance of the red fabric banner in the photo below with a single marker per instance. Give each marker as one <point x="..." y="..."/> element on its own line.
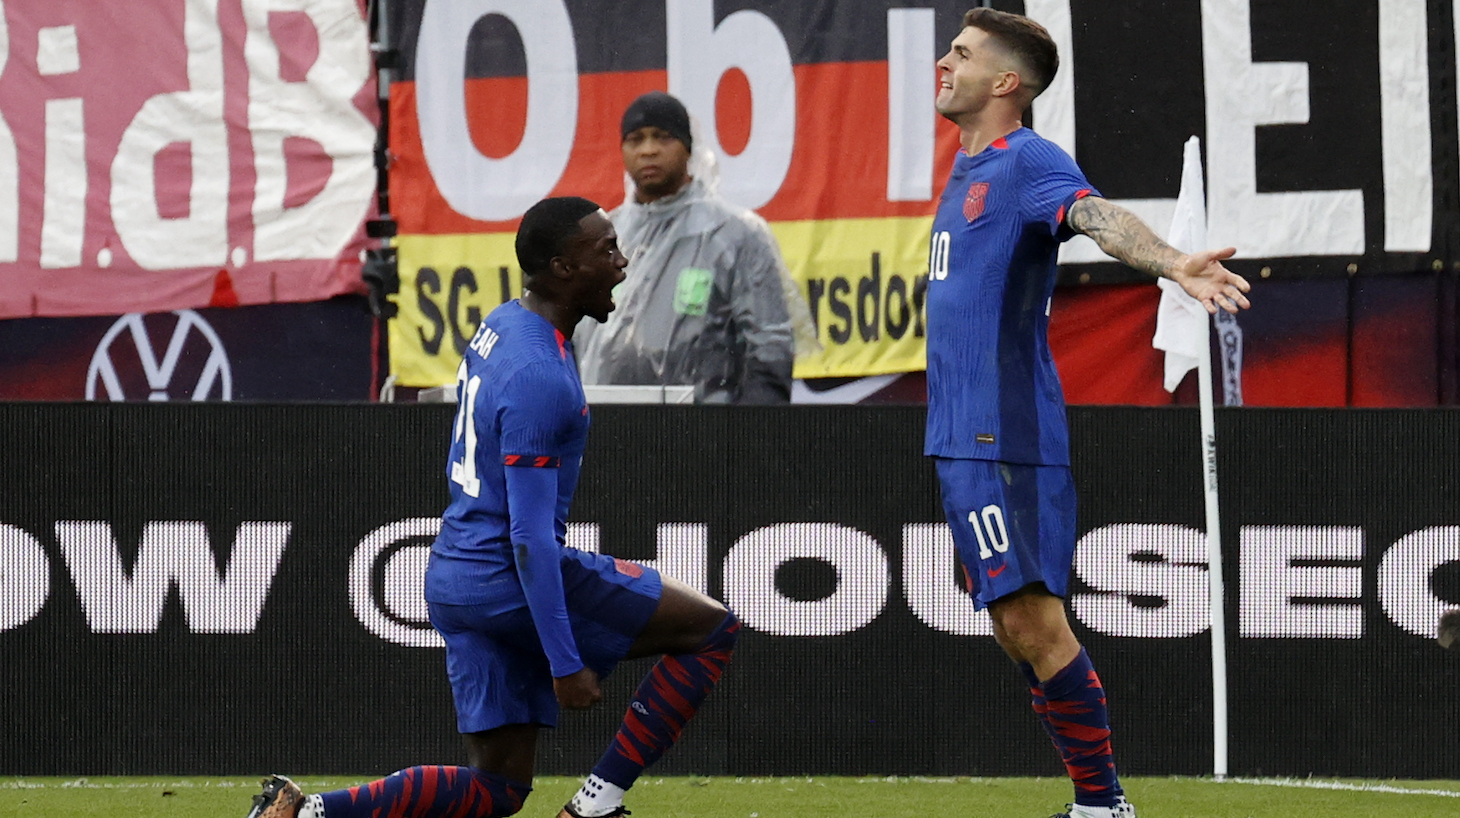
<point x="182" y="153"/>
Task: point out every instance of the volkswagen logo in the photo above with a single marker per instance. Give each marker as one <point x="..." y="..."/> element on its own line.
<point x="193" y="364"/>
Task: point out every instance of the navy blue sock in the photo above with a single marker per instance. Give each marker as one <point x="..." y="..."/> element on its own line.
<point x="429" y="792"/>
<point x="1080" y="728"/>
<point x="667" y="698"/>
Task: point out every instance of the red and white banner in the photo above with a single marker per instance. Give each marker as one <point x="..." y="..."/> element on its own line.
<point x="171" y="154"/>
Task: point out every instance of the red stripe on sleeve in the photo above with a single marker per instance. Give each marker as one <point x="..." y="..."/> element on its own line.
<point x="535" y="461"/>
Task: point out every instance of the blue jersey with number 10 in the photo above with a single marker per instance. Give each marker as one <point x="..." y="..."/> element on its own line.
<point x="993" y="393"/>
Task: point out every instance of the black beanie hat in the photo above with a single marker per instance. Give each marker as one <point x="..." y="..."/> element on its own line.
<point x="659" y="110"/>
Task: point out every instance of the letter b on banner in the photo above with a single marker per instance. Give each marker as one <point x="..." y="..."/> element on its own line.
<point x="475" y="185"/>
<point x="699" y="55"/>
<point x="321" y="109"/>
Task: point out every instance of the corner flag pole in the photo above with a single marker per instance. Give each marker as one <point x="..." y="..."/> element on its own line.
<point x="1183" y="331"/>
<point x="1214" y="560"/>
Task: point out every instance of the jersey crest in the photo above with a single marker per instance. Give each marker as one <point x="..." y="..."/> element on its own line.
<point x="973" y="203"/>
<point x="627" y="568"/>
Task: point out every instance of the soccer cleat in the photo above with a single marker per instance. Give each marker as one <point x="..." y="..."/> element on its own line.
<point x="569" y="812"/>
<point x="281" y="798"/>
<point x="1122" y="809"/>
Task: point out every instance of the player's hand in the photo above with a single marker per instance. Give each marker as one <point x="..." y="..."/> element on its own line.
<point x="1205" y="279"/>
<point x="578" y="691"/>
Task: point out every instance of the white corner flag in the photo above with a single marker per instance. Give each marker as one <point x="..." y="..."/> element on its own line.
<point x="1182" y="327"/>
<point x="1181" y="321"/>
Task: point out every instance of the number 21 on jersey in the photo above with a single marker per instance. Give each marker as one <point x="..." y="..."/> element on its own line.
<point x="988" y="527"/>
<point x="938" y="255"/>
<point x="464" y="471"/>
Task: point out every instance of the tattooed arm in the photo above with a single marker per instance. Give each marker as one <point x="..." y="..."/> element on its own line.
<point x="1120" y="234"/>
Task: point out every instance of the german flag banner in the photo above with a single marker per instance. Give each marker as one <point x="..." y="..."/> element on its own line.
<point x="1317" y="136"/>
<point x="501" y="106"/>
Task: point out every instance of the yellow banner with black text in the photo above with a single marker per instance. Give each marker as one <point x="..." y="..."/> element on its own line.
<point x="864" y="281"/>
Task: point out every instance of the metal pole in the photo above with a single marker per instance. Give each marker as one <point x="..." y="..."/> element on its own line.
<point x="1214" y="561"/>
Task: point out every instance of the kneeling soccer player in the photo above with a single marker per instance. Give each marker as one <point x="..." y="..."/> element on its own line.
<point x="530" y="624"/>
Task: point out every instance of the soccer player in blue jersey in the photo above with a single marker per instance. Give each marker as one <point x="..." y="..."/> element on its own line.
<point x="529" y="624"/>
<point x="996" y="415"/>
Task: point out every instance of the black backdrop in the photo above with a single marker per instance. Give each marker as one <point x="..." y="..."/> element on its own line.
<point x="307" y="688"/>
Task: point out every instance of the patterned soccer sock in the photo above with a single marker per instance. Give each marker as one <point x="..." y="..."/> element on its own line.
<point x="425" y="792"/>
<point x="1037" y="702"/>
<point x="666" y="699"/>
<point x="1080" y="727"/>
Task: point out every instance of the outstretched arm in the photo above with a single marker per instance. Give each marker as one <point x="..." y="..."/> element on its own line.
<point x="1120" y="234"/>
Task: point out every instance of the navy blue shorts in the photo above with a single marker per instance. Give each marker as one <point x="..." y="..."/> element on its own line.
<point x="498" y="670"/>
<point x="1013" y="525"/>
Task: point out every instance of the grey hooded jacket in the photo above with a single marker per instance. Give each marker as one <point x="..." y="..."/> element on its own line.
<point x="704" y="303"/>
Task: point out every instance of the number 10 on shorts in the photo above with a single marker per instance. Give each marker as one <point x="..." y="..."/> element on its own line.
<point x="988" y="527"/>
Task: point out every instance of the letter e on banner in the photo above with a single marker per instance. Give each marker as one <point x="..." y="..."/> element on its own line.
<point x="1283" y="596"/>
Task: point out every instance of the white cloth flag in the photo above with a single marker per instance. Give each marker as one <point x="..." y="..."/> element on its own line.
<point x="1181" y="321"/>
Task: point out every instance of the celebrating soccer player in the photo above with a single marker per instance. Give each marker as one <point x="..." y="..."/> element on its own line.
<point x="996" y="415"/>
<point x="530" y="624"/>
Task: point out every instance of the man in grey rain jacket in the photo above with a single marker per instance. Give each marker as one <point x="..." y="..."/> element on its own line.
<point x="705" y="301"/>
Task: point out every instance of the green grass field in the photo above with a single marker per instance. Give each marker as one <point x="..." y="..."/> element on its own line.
<point x="816" y="797"/>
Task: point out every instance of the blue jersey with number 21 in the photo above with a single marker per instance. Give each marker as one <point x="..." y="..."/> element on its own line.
<point x="521" y="407"/>
<point x="993" y="393"/>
